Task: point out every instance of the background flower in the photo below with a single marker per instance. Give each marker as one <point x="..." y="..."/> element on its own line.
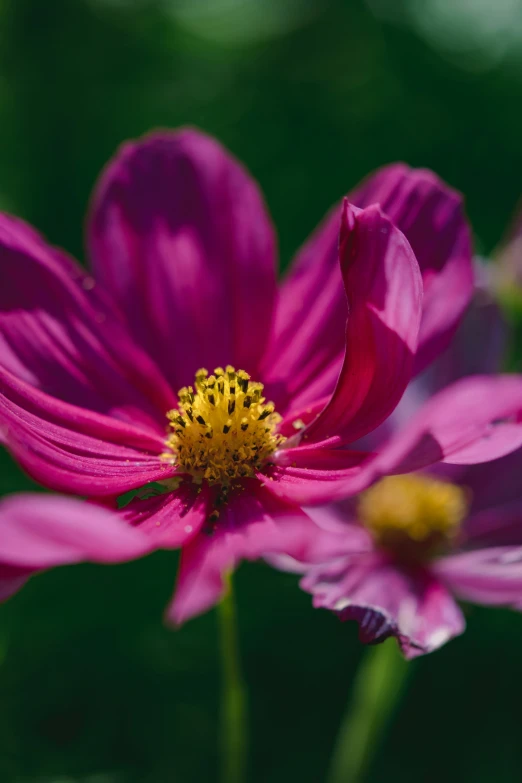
<point x="396" y="578"/>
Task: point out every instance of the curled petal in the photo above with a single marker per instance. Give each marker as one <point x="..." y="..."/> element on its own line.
<point x="180" y="236"/>
<point x="384" y="290"/>
<point x="431" y="216"/>
<point x="386" y="600"/>
<point x="307" y="343"/>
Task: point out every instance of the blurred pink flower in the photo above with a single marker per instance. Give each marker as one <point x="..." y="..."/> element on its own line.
<point x="394" y="557"/>
<point x="183" y="258"/>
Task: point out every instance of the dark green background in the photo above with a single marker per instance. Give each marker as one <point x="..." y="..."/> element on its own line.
<point x="93" y="688"/>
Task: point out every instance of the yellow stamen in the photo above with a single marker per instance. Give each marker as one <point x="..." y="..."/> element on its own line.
<point x="413" y="514"/>
<point x="222" y="429"/>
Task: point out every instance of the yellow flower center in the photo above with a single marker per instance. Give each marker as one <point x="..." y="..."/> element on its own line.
<point x="413" y="515"/>
<point x="222" y="429"/>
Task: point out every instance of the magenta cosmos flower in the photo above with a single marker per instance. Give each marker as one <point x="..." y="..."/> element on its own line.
<point x="397" y="556"/>
<point x="179" y="362"/>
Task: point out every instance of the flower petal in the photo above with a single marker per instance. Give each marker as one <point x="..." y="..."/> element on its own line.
<point x="491" y="576"/>
<point x="307" y="341"/>
<point x="173" y="518"/>
<point x="75" y="450"/>
<point x="11" y="580"/>
<point x="251" y="525"/>
<point x="308" y="337"/>
<point x="478" y="347"/>
<point x="340" y="534"/>
<point x="463" y="419"/>
<point x="498" y="526"/>
<point x="180" y="236"/>
<point x="491" y="485"/>
<point x="59" y="335"/>
<point x="40" y="532"/>
<point x="387" y="600"/>
<point x="384" y="290"/>
<point x="431" y="216"/>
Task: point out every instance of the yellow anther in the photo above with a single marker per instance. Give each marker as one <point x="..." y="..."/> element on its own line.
<point x="222" y="430"/>
<point x="413" y="514"/>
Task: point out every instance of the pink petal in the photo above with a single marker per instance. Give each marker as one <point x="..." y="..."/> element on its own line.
<point x="497" y="526"/>
<point x="478" y="346"/>
<point x="491" y="484"/>
<point x="463" y="419"/>
<point x="251" y="525"/>
<point x="40" y="532"/>
<point x="173" y="518"/>
<point x="315" y="475"/>
<point x="319" y="460"/>
<point x="491" y="576"/>
<point x="498" y="442"/>
<point x="11" y="580"/>
<point x="431" y="216"/>
<point x="387" y="600"/>
<point x="384" y="291"/>
<point x="307" y="343"/>
<point x="308" y="337"/>
<point x="180" y="236"/>
<point x="480" y="342"/>
<point x="58" y="334"/>
<point x="339" y="534"/>
<point x="75" y="450"/>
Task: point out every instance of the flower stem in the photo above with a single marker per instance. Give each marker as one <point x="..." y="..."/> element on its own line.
<point x="376" y="690"/>
<point x="234" y="729"/>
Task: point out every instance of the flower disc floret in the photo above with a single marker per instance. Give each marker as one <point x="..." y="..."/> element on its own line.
<point x="223" y="429"/>
<point x="413" y="515"/>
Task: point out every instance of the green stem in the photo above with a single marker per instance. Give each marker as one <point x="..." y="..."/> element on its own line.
<point x="376" y="691"/>
<point x="234" y="729"/>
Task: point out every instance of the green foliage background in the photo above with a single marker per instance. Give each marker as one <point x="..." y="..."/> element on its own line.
<point x="93" y="688"/>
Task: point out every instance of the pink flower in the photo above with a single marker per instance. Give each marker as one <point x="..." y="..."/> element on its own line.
<point x="396" y="557"/>
<point x="183" y="262"/>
